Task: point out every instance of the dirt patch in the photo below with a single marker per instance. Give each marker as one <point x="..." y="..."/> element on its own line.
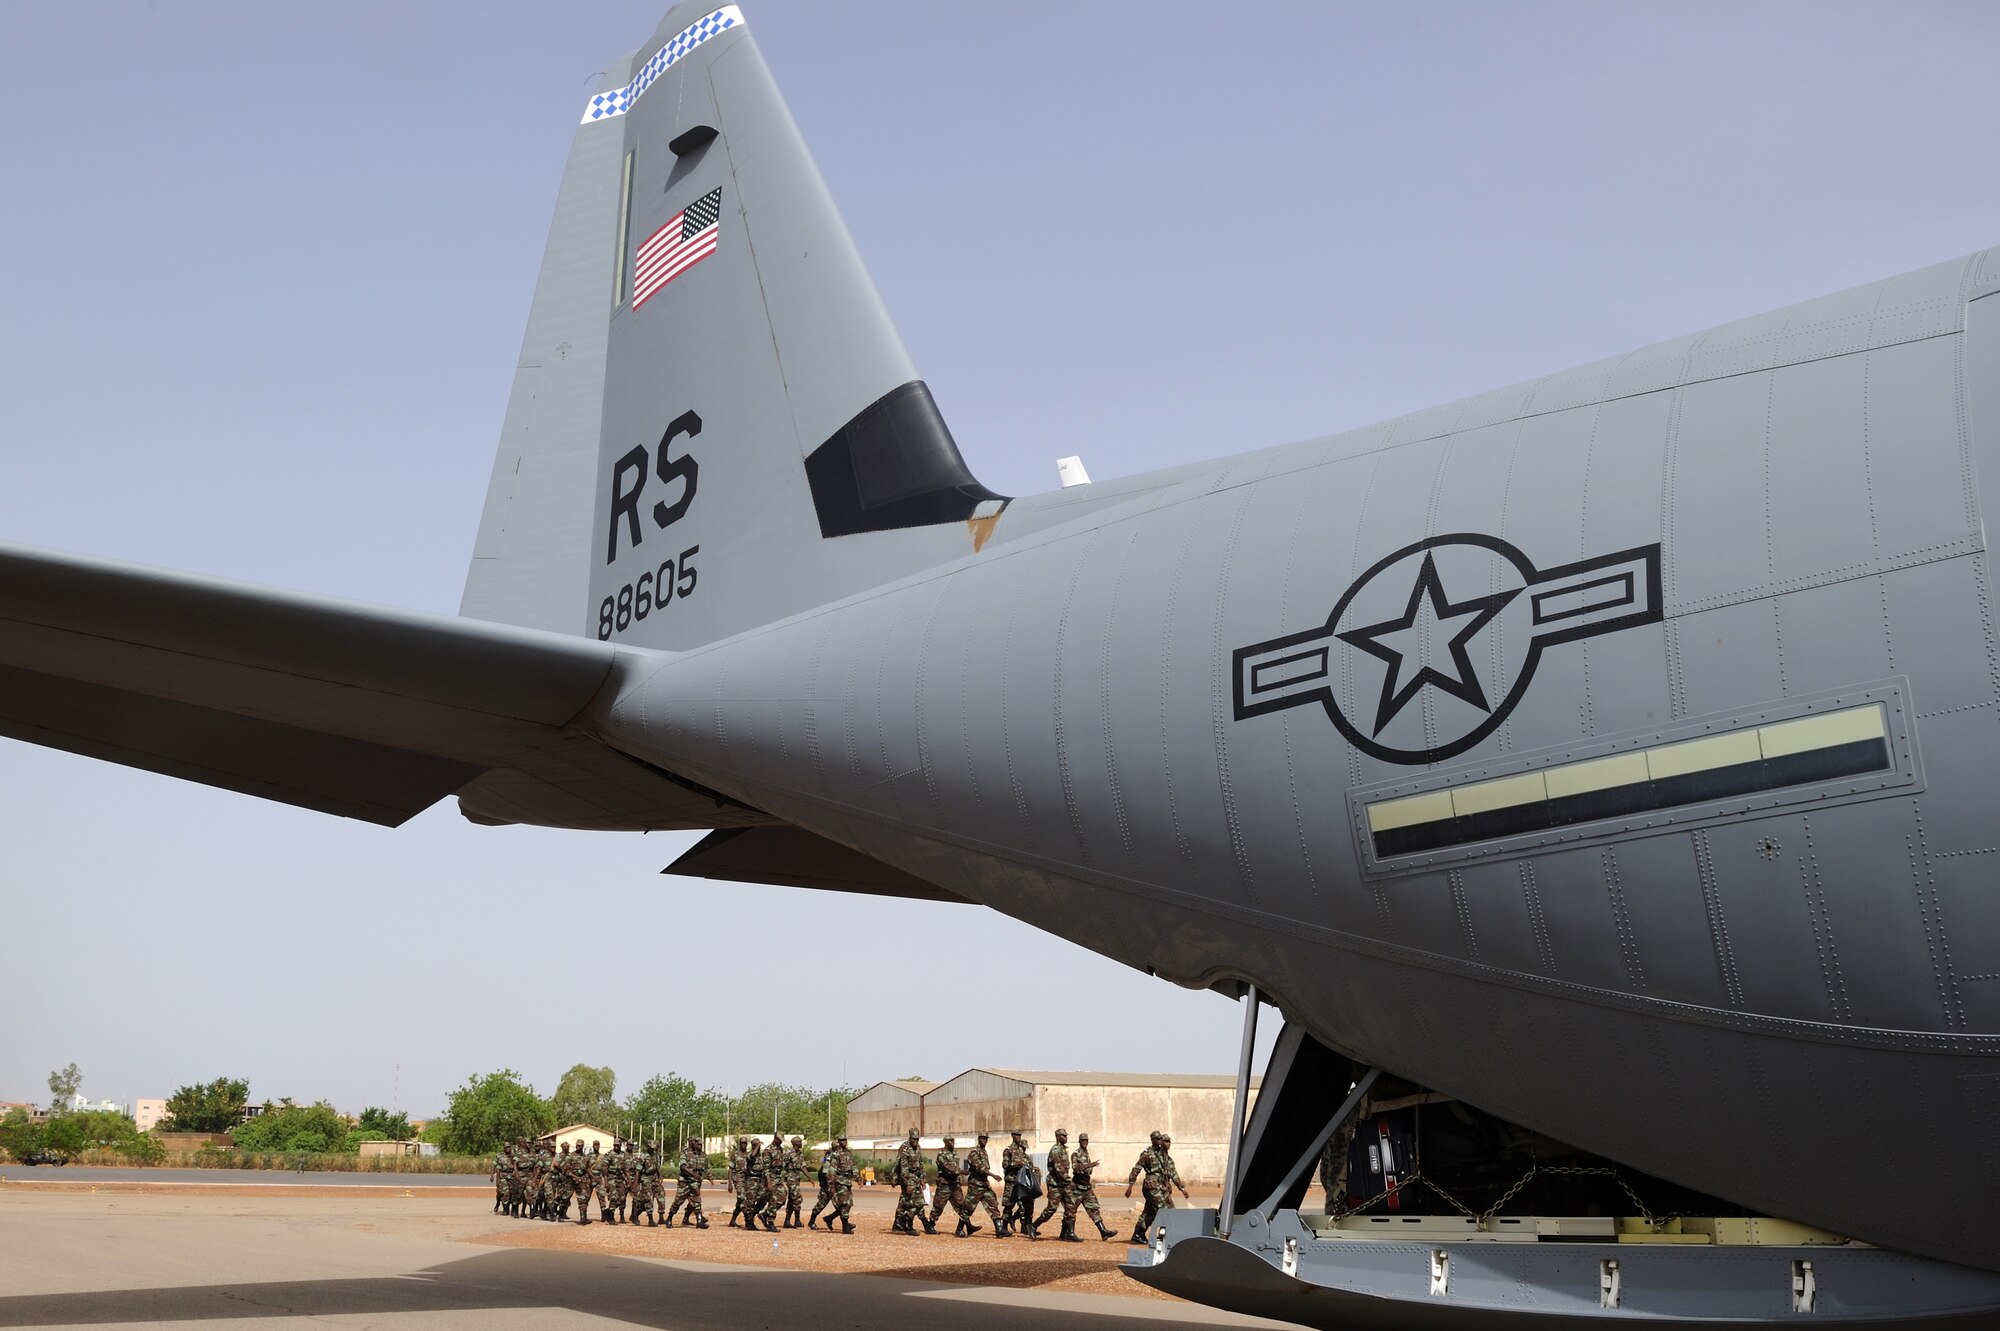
<point x="1075" y="1268"/>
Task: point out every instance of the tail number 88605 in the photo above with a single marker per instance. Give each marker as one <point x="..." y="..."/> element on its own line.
<point x="648" y="594"/>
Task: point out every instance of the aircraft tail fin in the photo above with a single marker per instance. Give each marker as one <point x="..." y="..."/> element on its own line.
<point x="714" y="422"/>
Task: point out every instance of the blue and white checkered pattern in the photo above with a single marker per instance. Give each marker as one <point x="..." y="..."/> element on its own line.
<point x="619" y="100"/>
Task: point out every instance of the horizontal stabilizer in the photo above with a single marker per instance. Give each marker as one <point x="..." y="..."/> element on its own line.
<point x="350" y="709"/>
<point x="793" y="857"/>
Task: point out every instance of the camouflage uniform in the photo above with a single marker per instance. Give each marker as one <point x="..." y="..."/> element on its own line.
<point x="1161" y="1179"/>
<point x="559" y="1184"/>
<point x="774" y="1181"/>
<point x="910" y="1178"/>
<point x="979" y="1186"/>
<point x="687" y="1191"/>
<point x="611" y="1184"/>
<point x="543" y="1186"/>
<point x="951" y="1190"/>
<point x="1059" y="1192"/>
<point x="645" y="1187"/>
<point x="795" y="1182"/>
<point x="1083" y="1192"/>
<point x="581" y="1181"/>
<point x="836" y="1186"/>
<point x="1011" y="1161"/>
<point x="750" y="1192"/>
<point x="502" y="1174"/>
<point x="738" y="1158"/>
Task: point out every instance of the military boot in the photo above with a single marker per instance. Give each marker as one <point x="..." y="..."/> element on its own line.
<point x="1068" y="1234"/>
<point x="1104" y="1231"/>
<point x="970" y="1229"/>
<point x="846" y="1225"/>
<point x="1138" y="1238"/>
<point x="769" y="1227"/>
<point x="700" y="1222"/>
<point x="930" y="1225"/>
<point x="959" y="1233"/>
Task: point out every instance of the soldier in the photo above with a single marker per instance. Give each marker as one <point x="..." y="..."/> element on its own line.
<point x="559" y="1184"/>
<point x="645" y="1186"/>
<point x="836" y="1189"/>
<point x="501" y="1174"/>
<point x="1060" y="1193"/>
<point x="542" y="1188"/>
<point x="517" y="1177"/>
<point x="1157" y="1165"/>
<point x="774" y="1182"/>
<point x="910" y="1178"/>
<point x="795" y="1182"/>
<point x="581" y="1182"/>
<point x="687" y="1190"/>
<point x="1011" y="1160"/>
<point x="951" y="1190"/>
<point x="1083" y="1192"/>
<point x="979" y="1187"/>
<point x="738" y="1158"/>
<point x="750" y="1191"/>
<point x="659" y="1177"/>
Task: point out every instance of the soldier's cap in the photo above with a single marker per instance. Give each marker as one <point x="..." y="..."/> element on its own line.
<point x="982" y="1136"/>
<point x="841" y="1138"/>
<point x="1083" y="1136"/>
<point x="1062" y="1132"/>
<point x="948" y="1141"/>
<point x="1015" y="1131"/>
<point x="797" y="1138"/>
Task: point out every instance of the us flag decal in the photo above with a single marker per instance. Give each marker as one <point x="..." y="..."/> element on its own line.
<point x="686" y="239"/>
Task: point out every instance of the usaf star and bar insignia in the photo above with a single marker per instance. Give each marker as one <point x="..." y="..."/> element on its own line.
<point x="1453" y="626"/>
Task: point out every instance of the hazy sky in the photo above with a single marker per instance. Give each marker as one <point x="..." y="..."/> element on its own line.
<point x="266" y="272"/>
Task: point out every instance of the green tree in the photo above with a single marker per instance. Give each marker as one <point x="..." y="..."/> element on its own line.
<point x="63" y="1085"/>
<point x="216" y="1107"/>
<point x="19" y="1135"/>
<point x="96" y="1129"/>
<point x="491" y="1110"/>
<point x="665" y="1104"/>
<point x="800" y="1109"/>
<point x="381" y="1125"/>
<point x="584" y="1095"/>
<point x="312" y="1128"/>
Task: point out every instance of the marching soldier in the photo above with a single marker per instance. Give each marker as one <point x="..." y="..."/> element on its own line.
<point x="1157" y="1165"/>
<point x="910" y="1178"/>
<point x="1083" y="1192"/>
<point x="836" y="1174"/>
<point x="1011" y="1160"/>
<point x="581" y="1182"/>
<point x="750" y="1193"/>
<point x="687" y="1190"/>
<point x="774" y="1181"/>
<point x="795" y="1179"/>
<point x="559" y="1184"/>
<point x="500" y="1173"/>
<point x="645" y="1184"/>
<point x="1059" y="1189"/>
<point x="738" y="1158"/>
<point x="979" y="1187"/>
<point x="950" y="1185"/>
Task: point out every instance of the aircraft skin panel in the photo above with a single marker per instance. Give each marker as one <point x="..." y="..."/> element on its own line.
<point x="1054" y="728"/>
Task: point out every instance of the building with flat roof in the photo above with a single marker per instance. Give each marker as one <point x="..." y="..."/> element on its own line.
<point x="1120" y="1111"/>
<point x="148" y="1114"/>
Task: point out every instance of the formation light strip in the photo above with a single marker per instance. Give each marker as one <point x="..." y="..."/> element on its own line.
<point x="1849" y="742"/>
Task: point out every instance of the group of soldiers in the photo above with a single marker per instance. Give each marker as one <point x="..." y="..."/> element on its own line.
<point x="533" y="1181"/>
<point x="966" y="1184"/>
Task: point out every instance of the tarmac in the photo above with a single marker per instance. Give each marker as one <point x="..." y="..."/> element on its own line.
<point x="260" y="1255"/>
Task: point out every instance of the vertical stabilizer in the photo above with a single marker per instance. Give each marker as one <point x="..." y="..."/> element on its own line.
<point x="762" y="441"/>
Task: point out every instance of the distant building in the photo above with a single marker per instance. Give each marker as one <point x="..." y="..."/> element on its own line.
<point x="580" y="1136"/>
<point x="888" y="1109"/>
<point x="80" y="1103"/>
<point x="1120" y="1111"/>
<point x="371" y="1149"/>
<point x="148" y="1114"/>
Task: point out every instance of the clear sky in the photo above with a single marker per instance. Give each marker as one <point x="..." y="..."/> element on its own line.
<point x="266" y="272"/>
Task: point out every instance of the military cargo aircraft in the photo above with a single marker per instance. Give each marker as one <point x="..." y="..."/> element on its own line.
<point x="1617" y="844"/>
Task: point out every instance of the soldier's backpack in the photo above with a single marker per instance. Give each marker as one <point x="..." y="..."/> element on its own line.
<point x="1028" y="1183"/>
